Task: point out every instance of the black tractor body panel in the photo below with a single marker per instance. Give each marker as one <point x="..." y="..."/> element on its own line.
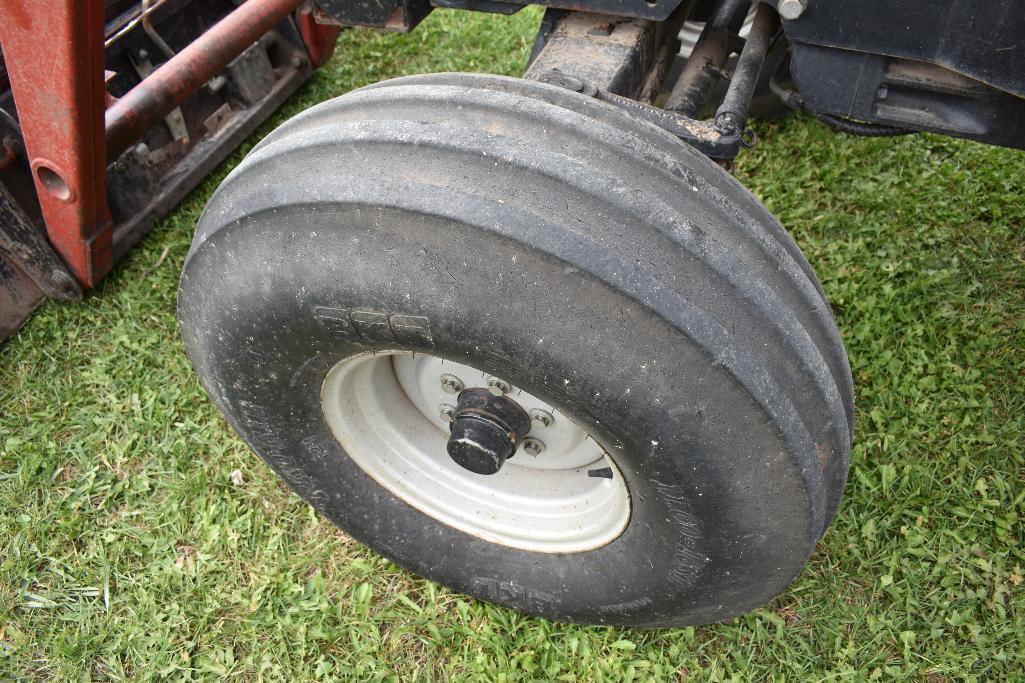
<point x="951" y="67"/>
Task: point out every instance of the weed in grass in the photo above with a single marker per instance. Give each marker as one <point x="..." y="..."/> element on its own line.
<point x="140" y="539"/>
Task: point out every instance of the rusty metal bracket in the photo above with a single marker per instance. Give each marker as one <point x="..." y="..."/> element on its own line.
<point x="390" y="15"/>
<point x="319" y="38"/>
<point x="627" y="57"/>
<point x="59" y="93"/>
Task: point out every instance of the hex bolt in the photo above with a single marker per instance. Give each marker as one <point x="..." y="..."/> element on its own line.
<point x="451" y="384"/>
<point x="791" y="9"/>
<point x="533" y="447"/>
<point x="541" y="418"/>
<point x="498" y="387"/>
<point x="447" y="412"/>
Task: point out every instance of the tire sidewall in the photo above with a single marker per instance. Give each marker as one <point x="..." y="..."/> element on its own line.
<point x="267" y="315"/>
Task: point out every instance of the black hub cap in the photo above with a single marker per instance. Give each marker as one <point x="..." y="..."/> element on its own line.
<point x="486" y="430"/>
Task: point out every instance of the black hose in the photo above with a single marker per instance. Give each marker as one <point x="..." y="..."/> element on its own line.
<point x="863" y="128"/>
<point x="732" y="113"/>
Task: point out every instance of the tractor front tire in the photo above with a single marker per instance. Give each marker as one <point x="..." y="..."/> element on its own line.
<point x="690" y="398"/>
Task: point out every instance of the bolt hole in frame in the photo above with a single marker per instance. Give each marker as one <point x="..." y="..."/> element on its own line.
<point x="53" y="182"/>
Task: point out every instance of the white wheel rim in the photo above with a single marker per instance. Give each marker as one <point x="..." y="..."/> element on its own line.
<point x="385" y="411"/>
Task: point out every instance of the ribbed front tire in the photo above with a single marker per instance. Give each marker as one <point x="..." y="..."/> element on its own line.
<point x="587" y="258"/>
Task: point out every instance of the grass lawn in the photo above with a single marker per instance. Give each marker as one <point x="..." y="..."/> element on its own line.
<point x="140" y="539"/>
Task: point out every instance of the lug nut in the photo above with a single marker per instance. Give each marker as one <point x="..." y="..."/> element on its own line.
<point x="533" y="447"/>
<point x="541" y="418"/>
<point x="498" y="387"/>
<point x="447" y="412"/>
<point x="451" y="384"/>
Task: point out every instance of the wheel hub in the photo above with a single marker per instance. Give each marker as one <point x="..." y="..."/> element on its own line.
<point x="395" y="414"/>
<point x="486" y="430"/>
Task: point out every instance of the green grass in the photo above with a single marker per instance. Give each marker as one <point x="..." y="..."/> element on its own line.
<point x="140" y="539"/>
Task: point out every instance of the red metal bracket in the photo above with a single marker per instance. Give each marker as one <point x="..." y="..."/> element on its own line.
<point x="54" y="50"/>
<point x="320" y="39"/>
<point x="55" y="59"/>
